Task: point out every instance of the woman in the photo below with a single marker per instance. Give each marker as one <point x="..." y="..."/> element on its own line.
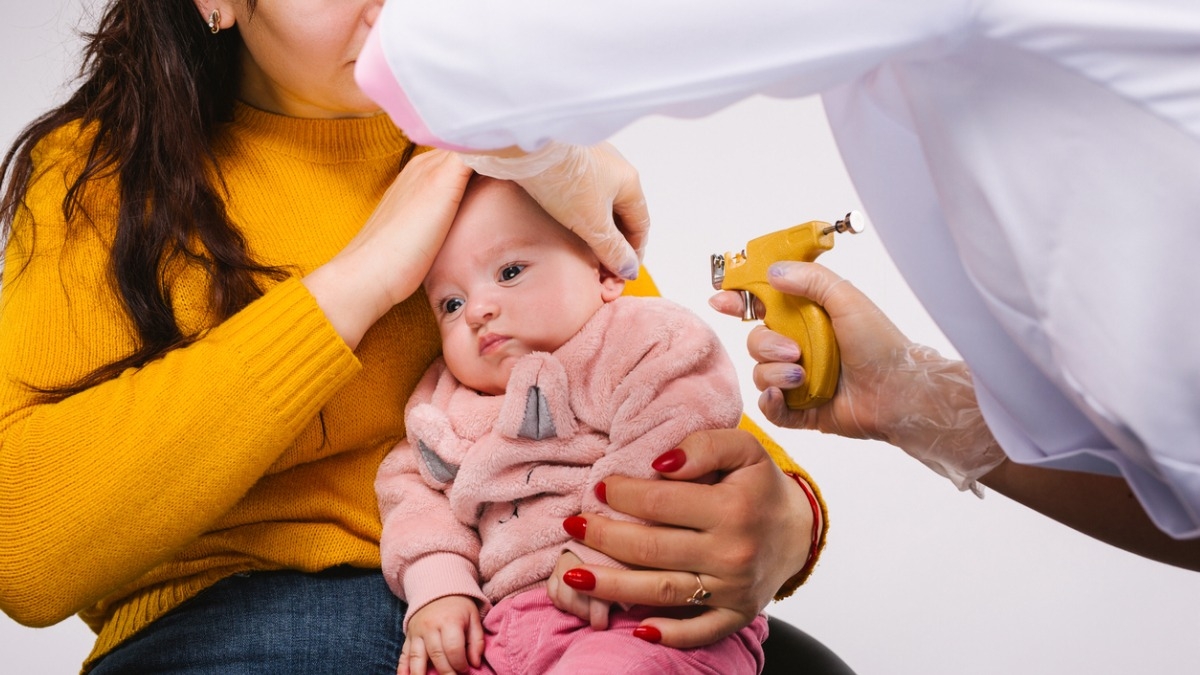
<point x="206" y="340"/>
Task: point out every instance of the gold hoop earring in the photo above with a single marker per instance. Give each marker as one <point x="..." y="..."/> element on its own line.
<point x="214" y="22"/>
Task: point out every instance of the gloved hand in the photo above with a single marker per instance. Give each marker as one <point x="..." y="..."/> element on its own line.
<point x="593" y="191"/>
<point x="890" y="389"/>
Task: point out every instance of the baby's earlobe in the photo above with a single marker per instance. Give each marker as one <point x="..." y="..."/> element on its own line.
<point x="612" y="285"/>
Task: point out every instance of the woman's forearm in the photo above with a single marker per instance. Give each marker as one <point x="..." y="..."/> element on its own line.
<point x="175" y="443"/>
<point x="1102" y="507"/>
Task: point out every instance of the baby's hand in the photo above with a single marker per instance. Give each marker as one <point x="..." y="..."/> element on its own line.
<point x="571" y="601"/>
<point x="446" y="633"/>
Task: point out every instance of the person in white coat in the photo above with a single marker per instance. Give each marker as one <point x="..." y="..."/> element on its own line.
<point x="1031" y="167"/>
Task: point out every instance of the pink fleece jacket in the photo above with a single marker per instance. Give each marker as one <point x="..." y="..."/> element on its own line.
<point x="473" y="500"/>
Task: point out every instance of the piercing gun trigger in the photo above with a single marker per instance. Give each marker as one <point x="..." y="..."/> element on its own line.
<point x="798" y="318"/>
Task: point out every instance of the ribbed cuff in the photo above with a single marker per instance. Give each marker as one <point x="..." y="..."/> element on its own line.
<point x="819" y="529"/>
<point x="793" y="470"/>
<point x="288" y="348"/>
<point x="438" y="575"/>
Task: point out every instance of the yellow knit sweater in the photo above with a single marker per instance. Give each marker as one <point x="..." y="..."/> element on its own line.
<point x="255" y="448"/>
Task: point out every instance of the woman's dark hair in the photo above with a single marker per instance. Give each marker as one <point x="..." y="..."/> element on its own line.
<point x="156" y="86"/>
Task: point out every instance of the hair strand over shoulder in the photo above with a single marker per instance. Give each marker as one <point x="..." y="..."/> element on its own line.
<point x="155" y="87"/>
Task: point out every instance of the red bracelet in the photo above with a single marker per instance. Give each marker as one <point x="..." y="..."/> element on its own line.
<point x="816" y="529"/>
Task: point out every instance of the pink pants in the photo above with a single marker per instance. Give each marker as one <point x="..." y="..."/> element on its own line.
<point x="526" y="633"/>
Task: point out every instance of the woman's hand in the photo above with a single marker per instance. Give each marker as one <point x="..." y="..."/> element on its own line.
<point x="868" y="341"/>
<point x="593" y="191"/>
<point x="890" y="388"/>
<point x="744" y="535"/>
<point x="386" y="261"/>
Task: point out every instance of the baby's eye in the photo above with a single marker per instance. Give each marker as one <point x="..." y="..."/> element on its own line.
<point x="452" y="305"/>
<point x="510" y="272"/>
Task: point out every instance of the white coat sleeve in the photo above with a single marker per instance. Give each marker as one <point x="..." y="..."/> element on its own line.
<point x="473" y="74"/>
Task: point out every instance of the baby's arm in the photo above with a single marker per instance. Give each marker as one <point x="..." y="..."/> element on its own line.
<point x="571" y="601"/>
<point x="446" y="633"/>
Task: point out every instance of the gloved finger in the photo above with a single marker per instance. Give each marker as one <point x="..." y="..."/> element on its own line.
<point x="865" y="333"/>
<point x="582" y="188"/>
<point x="596" y="225"/>
<point x="595" y="193"/>
<point x="632" y="218"/>
<point x="583" y="208"/>
<point x="727" y="302"/>
<point x="627" y="212"/>
<point x="781" y="375"/>
<point x="730" y="302"/>
<point x="611" y="248"/>
<point x="767" y="346"/>
<point x="773" y="405"/>
<point x="697" y="631"/>
<point x="630" y="212"/>
<point x="809" y="280"/>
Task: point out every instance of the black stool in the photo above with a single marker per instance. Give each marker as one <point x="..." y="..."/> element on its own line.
<point x="790" y="651"/>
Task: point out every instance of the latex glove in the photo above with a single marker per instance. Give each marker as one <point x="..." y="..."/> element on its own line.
<point x="890" y="389"/>
<point x="593" y="191"/>
<point x="746" y="534"/>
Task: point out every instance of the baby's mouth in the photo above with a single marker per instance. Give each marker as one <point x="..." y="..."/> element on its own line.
<point x="490" y="343"/>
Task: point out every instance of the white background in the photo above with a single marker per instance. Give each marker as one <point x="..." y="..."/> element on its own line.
<point x="917" y="578"/>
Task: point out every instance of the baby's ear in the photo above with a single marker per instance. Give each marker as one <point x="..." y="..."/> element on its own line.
<point x="612" y="285"/>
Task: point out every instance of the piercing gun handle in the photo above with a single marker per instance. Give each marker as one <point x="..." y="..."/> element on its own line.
<point x="807" y="323"/>
<point x="798" y="318"/>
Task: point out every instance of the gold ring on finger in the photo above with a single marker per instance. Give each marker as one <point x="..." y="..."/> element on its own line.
<point x="701" y="595"/>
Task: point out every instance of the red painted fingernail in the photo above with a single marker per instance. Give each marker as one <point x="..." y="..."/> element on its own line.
<point x="601" y="493"/>
<point x="669" y="461"/>
<point x="576" y="526"/>
<point x="648" y="633"/>
<point x="581" y="580"/>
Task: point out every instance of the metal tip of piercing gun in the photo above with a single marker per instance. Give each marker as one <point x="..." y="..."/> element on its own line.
<point x="798" y="318"/>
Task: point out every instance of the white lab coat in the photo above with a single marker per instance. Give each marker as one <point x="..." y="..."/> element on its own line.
<point x="1033" y="168"/>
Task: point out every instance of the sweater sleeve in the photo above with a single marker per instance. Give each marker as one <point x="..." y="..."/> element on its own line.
<point x="463" y="73"/>
<point x="98" y="488"/>
<point x="427" y="554"/>
<point x="791" y="468"/>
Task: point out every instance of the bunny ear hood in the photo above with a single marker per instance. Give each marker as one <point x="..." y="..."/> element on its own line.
<point x="544" y="411"/>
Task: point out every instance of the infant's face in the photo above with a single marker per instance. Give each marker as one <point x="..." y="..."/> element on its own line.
<point x="509" y="281"/>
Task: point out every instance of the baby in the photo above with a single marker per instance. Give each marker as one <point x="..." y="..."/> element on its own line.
<point x="550" y="381"/>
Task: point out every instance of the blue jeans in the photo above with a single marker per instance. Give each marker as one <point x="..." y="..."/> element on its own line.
<point x="338" y="621"/>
